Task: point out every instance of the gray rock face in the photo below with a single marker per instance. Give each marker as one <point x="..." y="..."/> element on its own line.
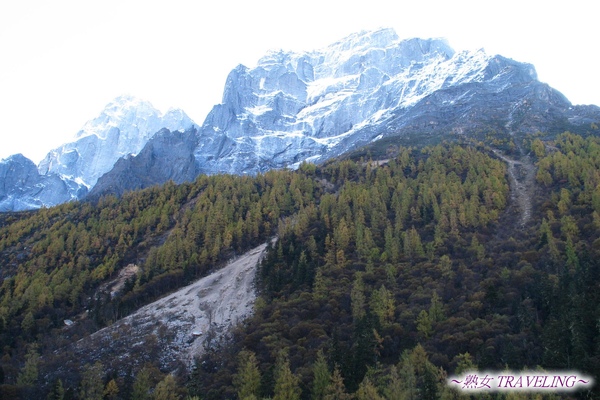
<point x="23" y="188"/>
<point x="167" y="156"/>
<point x="312" y="106"/>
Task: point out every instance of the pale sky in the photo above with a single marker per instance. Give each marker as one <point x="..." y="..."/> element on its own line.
<point x="62" y="61"/>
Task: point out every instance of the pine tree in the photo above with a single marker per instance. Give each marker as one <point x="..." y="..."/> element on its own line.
<point x="383" y="305"/>
<point x="367" y="391"/>
<point x="142" y="385"/>
<point x="408" y="378"/>
<point x="546" y="238"/>
<point x="393" y="391"/>
<point x="286" y="384"/>
<point x="111" y="390"/>
<point x="596" y="199"/>
<point x="247" y="379"/>
<point x="357" y="297"/>
<point x="436" y="309"/>
<point x="341" y="235"/>
<point x="57" y="392"/>
<point x="424" y="324"/>
<point x="464" y="363"/>
<point x="167" y="389"/>
<point x="538" y="148"/>
<point x="322" y="377"/>
<point x="320" y="285"/>
<point x="426" y="373"/>
<point x="336" y="389"/>
<point x="29" y="373"/>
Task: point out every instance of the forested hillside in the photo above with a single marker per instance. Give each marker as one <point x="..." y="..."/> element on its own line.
<point x="387" y="276"/>
<point x="56" y="262"/>
<point x="412" y="270"/>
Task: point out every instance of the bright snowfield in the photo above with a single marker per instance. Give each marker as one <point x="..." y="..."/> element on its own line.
<point x="184" y="321"/>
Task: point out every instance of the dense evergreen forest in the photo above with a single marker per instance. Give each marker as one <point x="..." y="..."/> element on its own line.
<point x="387" y="276"/>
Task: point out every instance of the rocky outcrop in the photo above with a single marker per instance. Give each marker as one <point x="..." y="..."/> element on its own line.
<point x="167" y="156"/>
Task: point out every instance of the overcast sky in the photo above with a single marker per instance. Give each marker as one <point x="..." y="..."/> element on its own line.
<point x="62" y="61"/>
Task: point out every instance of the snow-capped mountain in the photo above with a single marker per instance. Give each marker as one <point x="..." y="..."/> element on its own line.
<point x="23" y="188"/>
<point x="67" y="173"/>
<point x="312" y="106"/>
<point x="123" y="128"/>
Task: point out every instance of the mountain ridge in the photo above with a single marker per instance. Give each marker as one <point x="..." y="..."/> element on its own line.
<point x="68" y="172"/>
<point x="312" y="106"/>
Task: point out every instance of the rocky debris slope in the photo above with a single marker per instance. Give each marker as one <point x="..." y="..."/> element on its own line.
<point x="521" y="176"/>
<point x="179" y="326"/>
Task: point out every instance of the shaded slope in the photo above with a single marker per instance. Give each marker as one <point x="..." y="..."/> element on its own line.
<point x="169" y="155"/>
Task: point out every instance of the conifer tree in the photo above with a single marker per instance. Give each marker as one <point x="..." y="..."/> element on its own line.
<point x="167" y="389"/>
<point x="286" y="384"/>
<point x="92" y="387"/>
<point x="408" y="378"/>
<point x="321" y="377"/>
<point x="142" y="385"/>
<point x="111" y="390"/>
<point x="436" y="309"/>
<point x="464" y="363"/>
<point x="320" y="285"/>
<point x="357" y="297"/>
<point x="247" y="379"/>
<point x="424" y="324"/>
<point x="336" y="389"/>
<point x="367" y="391"/>
<point x="393" y="390"/>
<point x="383" y="305"/>
<point x="29" y="373"/>
<point x="57" y="392"/>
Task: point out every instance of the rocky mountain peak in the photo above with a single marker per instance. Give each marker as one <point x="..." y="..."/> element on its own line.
<point x="311" y="106"/>
<point x="122" y="128"/>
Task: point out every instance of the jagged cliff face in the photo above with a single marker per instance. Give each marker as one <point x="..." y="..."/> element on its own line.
<point x="312" y="106"/>
<point x="293" y="107"/>
<point x="169" y="155"/>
